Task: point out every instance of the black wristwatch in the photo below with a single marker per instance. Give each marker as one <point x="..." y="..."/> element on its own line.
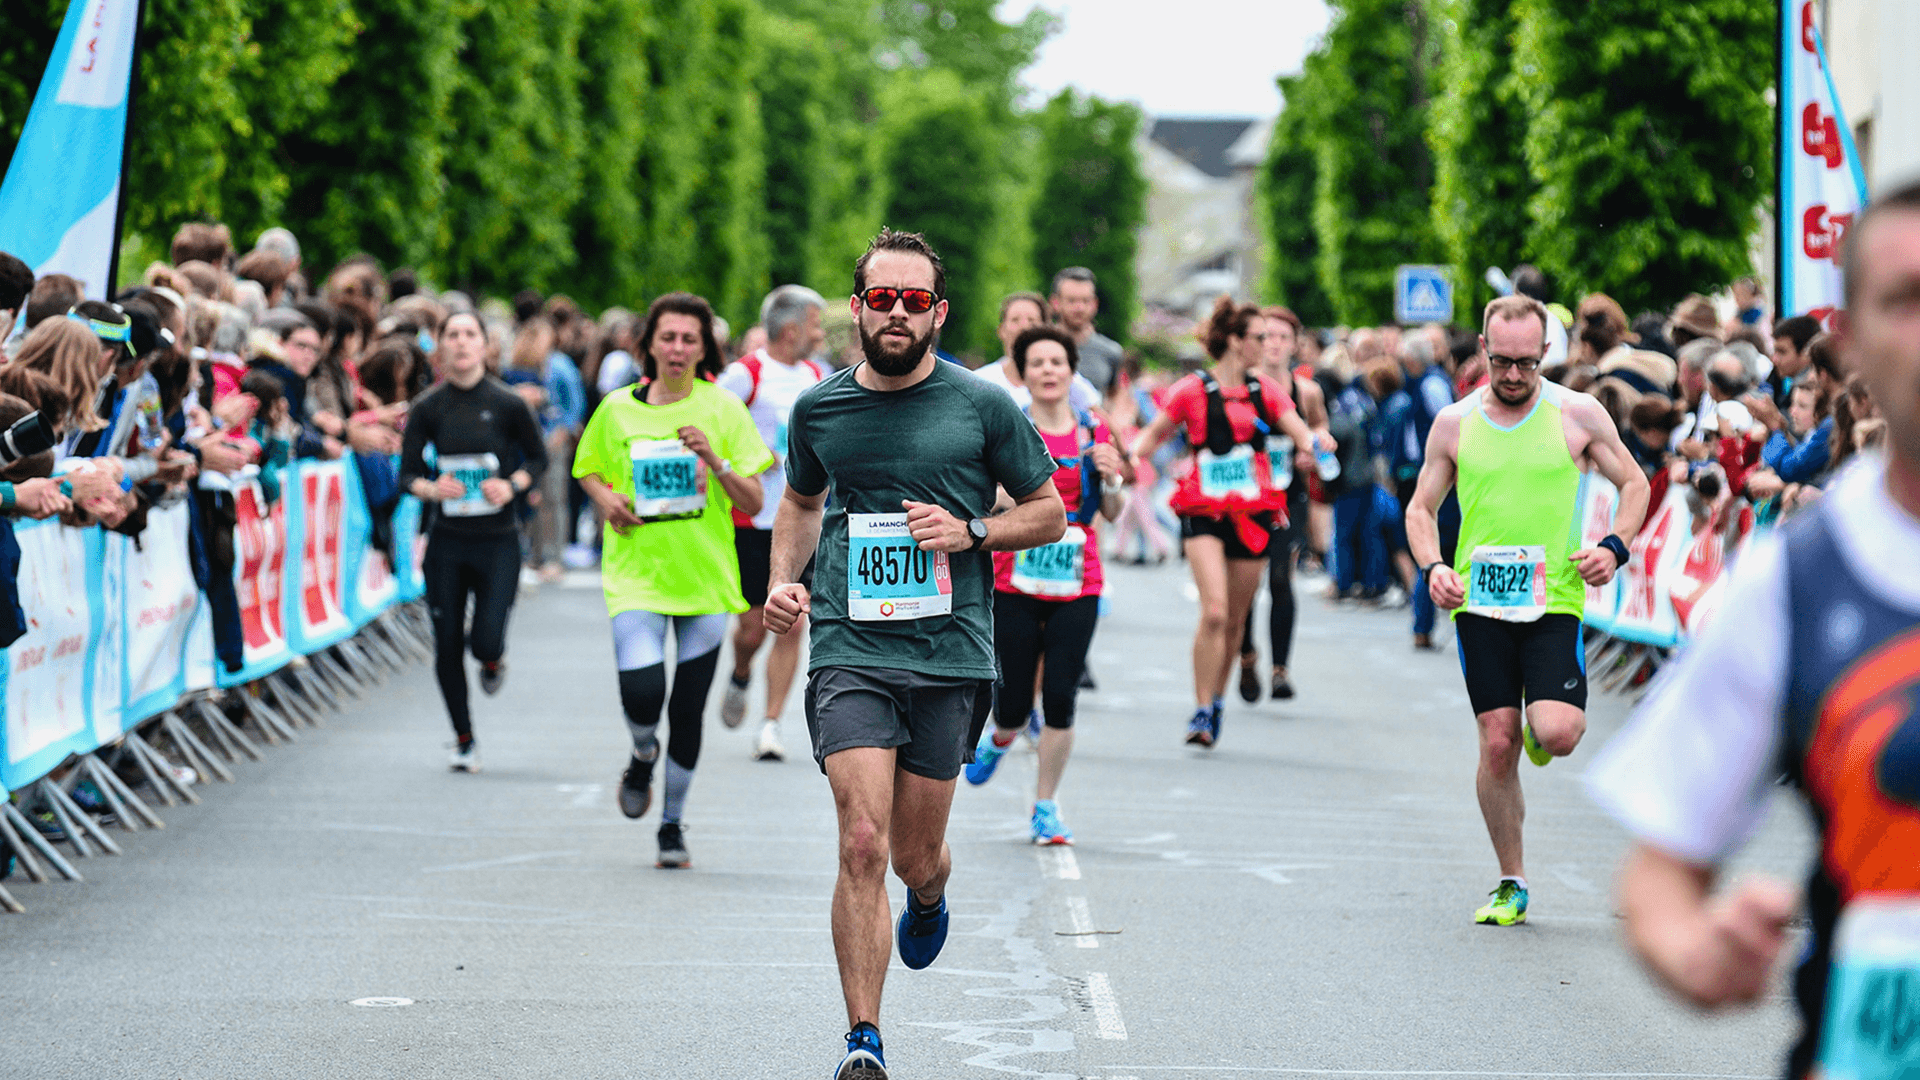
<point x="1428" y="569"/>
<point x="977" y="529"/>
<point x="1618" y="547"/>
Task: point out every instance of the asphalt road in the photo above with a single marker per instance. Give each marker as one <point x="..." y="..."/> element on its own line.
<point x="1294" y="903"/>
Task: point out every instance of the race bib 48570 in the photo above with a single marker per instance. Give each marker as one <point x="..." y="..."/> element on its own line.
<point x="888" y="577"/>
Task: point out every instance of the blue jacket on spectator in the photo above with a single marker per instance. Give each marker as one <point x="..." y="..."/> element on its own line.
<point x="1802" y="463"/>
<point x="566" y="396"/>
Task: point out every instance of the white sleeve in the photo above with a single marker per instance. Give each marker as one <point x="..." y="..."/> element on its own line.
<point x="737" y="380"/>
<point x="1692" y="770"/>
<point x="1082" y="394"/>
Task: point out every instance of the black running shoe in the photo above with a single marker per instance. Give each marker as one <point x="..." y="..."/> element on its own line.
<point x="673" y="849"/>
<point x="491" y="676"/>
<point x="1249" y="683"/>
<point x="636" y="787"/>
<point x="1282" y="686"/>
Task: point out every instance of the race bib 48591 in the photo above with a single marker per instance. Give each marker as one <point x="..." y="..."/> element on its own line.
<point x="1507" y="583"/>
<point x="668" y="480"/>
<point x="888" y="577"/>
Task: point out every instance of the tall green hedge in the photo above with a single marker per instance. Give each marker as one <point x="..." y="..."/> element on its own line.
<point x="1091" y="200"/>
<point x="1284" y="204"/>
<point x="1479" y="134"/>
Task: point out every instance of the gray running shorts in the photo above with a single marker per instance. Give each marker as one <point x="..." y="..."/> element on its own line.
<point x="934" y="720"/>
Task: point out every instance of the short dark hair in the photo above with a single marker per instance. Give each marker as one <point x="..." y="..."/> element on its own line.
<point x="264" y="387"/>
<point x="912" y="243"/>
<point x="712" y="362"/>
<point x="1905" y="198"/>
<point x="441" y="331"/>
<point x="1530" y="280"/>
<point x="526" y="304"/>
<point x="1073" y="273"/>
<point x="1034" y="298"/>
<point x="54" y="294"/>
<point x="1800" y="329"/>
<point x="1033" y="335"/>
<point x="210" y="243"/>
<point x="1823" y="355"/>
<point x="16" y="281"/>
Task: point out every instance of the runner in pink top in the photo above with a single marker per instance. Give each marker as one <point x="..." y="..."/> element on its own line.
<point x="1046" y="600"/>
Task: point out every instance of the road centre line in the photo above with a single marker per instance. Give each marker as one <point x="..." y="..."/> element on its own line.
<point x="1106" y="1010"/>
<point x="1058" y="862"/>
<point x="1080" y="918"/>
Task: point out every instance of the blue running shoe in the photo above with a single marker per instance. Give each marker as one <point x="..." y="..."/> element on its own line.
<point x="864" y="1060"/>
<point x="921" y="933"/>
<point x="1200" y="728"/>
<point x="1047" y="827"/>
<point x="986" y="758"/>
<point x="1215" y="715"/>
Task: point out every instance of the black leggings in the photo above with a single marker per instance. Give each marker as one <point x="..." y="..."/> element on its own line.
<point x="487" y="568"/>
<point x="1280" y="586"/>
<point x="1024" y="629"/>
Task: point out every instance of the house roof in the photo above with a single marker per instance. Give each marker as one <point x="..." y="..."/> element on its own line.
<point x="1202" y="142"/>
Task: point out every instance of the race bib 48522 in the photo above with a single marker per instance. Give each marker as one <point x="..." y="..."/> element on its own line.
<point x="1507" y="583"/>
<point x="888" y="577"/>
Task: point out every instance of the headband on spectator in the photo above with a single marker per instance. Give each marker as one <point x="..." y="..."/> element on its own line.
<point x="121" y="333"/>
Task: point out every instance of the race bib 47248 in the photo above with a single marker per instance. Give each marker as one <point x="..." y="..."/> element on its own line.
<point x="1507" y="583"/>
<point x="1054" y="570"/>
<point x="888" y="577"/>
<point x="470" y="470"/>
<point x="669" y="481"/>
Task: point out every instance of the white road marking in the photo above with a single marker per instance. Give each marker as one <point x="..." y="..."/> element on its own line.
<point x="1057" y="861"/>
<point x="1080" y="918"/>
<point x="584" y="795"/>
<point x="1106" y="1010"/>
<point x="1446" y="1072"/>
<point x="489" y="864"/>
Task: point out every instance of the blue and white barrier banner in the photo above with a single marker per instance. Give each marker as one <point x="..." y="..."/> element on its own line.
<point x="1822" y="185"/>
<point x="119" y="633"/>
<point x="1672" y="584"/>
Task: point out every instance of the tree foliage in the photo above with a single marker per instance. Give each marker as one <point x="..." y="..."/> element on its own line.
<point x="1366" y="115"/>
<point x="1478" y="134"/>
<point x="1284" y="204"/>
<point x="1090" y="200"/>
<point x="1650" y="141"/>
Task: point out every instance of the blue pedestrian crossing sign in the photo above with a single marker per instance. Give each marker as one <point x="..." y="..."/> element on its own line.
<point x="1422" y="294"/>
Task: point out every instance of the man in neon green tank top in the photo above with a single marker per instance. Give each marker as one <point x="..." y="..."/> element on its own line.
<point x="1518" y="450"/>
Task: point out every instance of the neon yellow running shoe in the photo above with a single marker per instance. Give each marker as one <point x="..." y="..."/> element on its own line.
<point x="1535" y="752"/>
<point x="1508" y="906"/>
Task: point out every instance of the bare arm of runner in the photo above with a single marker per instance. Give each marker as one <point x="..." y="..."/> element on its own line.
<point x="745" y="491"/>
<point x="618" y="511"/>
<point x="1423" y="513"/>
<point x="1038" y="517"/>
<point x="1610" y="456"/>
<point x="1151" y="436"/>
<point x="1713" y="952"/>
<point x="796" y="533"/>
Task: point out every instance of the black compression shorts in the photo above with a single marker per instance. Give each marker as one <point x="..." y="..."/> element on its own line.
<point x="1511" y="663"/>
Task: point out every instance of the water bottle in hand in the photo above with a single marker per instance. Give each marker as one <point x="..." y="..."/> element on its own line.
<point x="1328" y="464"/>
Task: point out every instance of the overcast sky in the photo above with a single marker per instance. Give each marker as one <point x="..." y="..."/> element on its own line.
<point x="1176" y="57"/>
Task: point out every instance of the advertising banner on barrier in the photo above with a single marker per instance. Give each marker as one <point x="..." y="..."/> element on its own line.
<point x="1646" y="612"/>
<point x="315" y="493"/>
<point x="368" y="584"/>
<point x="409" y="549"/>
<point x="49" y="670"/>
<point x="1598" y="501"/>
<point x="160" y="602"/>
<point x="260" y="570"/>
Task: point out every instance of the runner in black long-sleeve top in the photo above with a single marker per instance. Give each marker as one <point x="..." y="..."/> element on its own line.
<point x="487" y="449"/>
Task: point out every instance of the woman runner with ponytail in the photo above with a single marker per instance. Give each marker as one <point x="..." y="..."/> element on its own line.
<point x="1227" y="505"/>
<point x="1046" y="600"/>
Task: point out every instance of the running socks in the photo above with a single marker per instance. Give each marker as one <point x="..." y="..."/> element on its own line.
<point x="1003" y="737"/>
<point x="679" y="779"/>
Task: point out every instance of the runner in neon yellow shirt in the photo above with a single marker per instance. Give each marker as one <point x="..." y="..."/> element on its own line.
<point x="666" y="461"/>
<point x="1518" y="450"/>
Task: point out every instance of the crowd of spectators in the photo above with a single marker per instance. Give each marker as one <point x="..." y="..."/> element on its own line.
<point x="1750" y="416"/>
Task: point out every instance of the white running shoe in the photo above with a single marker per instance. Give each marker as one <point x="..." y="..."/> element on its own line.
<point x="767" y="747"/>
<point x="733" y="704"/>
<point x="465" y="758"/>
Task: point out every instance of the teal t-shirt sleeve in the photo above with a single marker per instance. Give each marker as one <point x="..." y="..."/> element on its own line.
<point x="743" y="447"/>
<point x="1016" y="455"/>
<point x="805" y="472"/>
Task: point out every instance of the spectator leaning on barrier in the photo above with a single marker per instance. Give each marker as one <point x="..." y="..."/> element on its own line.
<point x="1809" y="668"/>
<point x="299" y="345"/>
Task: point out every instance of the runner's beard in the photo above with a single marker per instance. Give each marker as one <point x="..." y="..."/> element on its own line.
<point x="1520" y="398"/>
<point x="892" y="362"/>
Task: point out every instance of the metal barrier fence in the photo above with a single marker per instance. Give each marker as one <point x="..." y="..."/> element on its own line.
<point x="117" y="673"/>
